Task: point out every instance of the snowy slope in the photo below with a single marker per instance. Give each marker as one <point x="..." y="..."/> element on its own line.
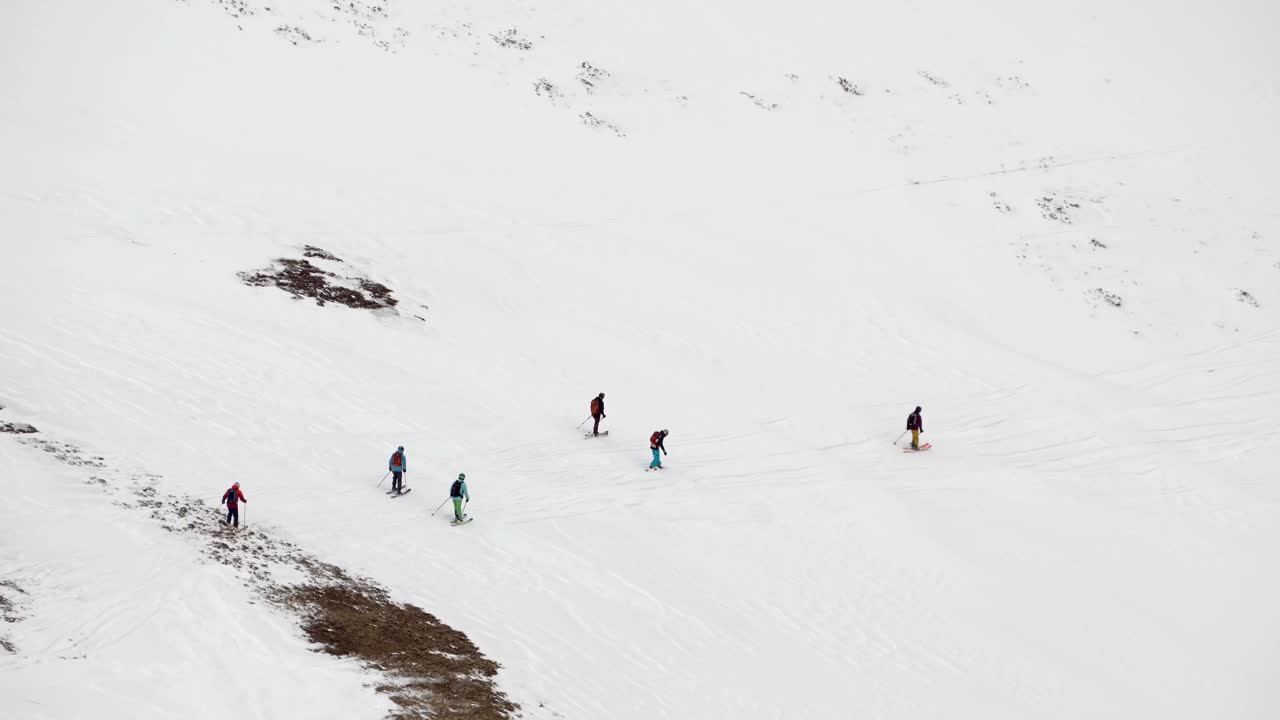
<point x="1054" y="230"/>
<point x="120" y="621"/>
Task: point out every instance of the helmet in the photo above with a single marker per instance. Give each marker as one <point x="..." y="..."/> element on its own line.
<point x="235" y="485"/>
<point x="400" y="449"/>
<point x="666" y="431"/>
<point x="600" y="395"/>
<point x="462" y="476"/>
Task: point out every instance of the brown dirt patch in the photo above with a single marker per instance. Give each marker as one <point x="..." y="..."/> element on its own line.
<point x="17" y="428"/>
<point x="8" y="611"/>
<point x="6" y="605"/>
<point x="312" y="251"/>
<point x="436" y="670"/>
<point x="300" y="278"/>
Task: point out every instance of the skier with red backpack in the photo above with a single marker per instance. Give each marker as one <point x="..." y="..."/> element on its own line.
<point x="597" y="413"/>
<point x="232" y="499"/>
<point x="655" y="445"/>
<point x="398" y="465"/>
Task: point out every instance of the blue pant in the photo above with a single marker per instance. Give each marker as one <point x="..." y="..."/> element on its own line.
<point x="233" y="515"/>
<point x="657" y="459"/>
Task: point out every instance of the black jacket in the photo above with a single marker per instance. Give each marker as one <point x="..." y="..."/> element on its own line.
<point x="915" y="422"/>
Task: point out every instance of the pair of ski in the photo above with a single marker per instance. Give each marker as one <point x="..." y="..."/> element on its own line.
<point x="398" y="493"/>
<point x="923" y="447"/>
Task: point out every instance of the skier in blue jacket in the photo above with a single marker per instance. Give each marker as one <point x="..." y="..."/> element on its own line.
<point x="398" y="465"/>
<point x="458" y="492"/>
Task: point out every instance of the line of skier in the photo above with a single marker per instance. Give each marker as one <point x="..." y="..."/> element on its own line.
<point x="398" y="465"/>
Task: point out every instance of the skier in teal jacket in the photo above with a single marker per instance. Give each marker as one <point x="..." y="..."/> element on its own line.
<point x="459" y="493"/>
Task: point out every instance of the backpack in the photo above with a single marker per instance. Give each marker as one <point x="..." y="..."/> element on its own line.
<point x="456" y="490"/>
<point x="397" y="460"/>
<point x="655" y="438"/>
<point x="595" y="406"/>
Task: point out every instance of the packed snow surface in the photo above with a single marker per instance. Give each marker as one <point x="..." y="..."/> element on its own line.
<point x="773" y="228"/>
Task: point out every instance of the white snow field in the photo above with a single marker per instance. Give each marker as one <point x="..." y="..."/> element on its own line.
<point x="772" y="227"/>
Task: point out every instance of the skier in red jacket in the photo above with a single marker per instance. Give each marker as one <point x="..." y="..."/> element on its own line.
<point x="232" y="499"/>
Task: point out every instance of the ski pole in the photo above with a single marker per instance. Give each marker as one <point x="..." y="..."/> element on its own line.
<point x="584" y="422"/>
<point x="433" y="512"/>
<point x="384" y="478"/>
<point x="904" y="432"/>
<point x="464" y="507"/>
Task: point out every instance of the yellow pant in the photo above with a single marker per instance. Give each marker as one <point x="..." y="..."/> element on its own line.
<point x="915" y="439"/>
